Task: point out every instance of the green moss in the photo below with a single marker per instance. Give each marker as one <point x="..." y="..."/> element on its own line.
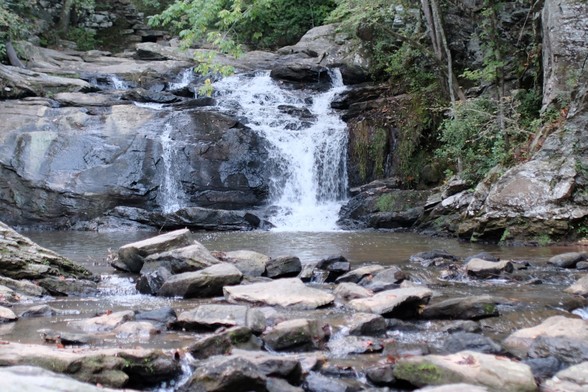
<point x="386" y="203"/>
<point x="489" y="308"/>
<point x="419" y="373"/>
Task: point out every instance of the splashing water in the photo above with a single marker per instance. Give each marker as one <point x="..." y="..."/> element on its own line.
<point x="307" y="152"/>
<point x="170" y="195"/>
<point x="185" y="78"/>
<point x="118" y="83"/>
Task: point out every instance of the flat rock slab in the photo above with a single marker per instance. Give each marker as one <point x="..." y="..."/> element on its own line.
<point x="464" y="308"/>
<point x="480" y="268"/>
<point x="568" y="260"/>
<point x="208" y="282"/>
<point x="212" y="317"/>
<point x="106" y="322"/>
<point x="288" y="293"/>
<point x="579" y="288"/>
<point x="132" y="256"/>
<point x="295" y="335"/>
<point x="354" y="276"/>
<point x="461" y="387"/>
<point x="7" y="315"/>
<point x="250" y="263"/>
<point x="470" y="367"/>
<point x="572" y="379"/>
<point x="399" y="303"/>
<point x="193" y="257"/>
<point x="519" y="342"/>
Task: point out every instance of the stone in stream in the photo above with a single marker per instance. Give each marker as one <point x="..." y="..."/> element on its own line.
<point x="220" y="343"/>
<point x="381" y="375"/>
<point x="68" y="338"/>
<point x="250" y="263"/>
<point x="8" y="297"/>
<point x="433" y="257"/>
<point x="482" y="255"/>
<point x="366" y="324"/>
<point x="568" y="260"/>
<point x="462" y="341"/>
<point x="106" y="322"/>
<point x="487" y="269"/>
<point x="132" y="256"/>
<point x="469" y="308"/>
<point x="113" y="368"/>
<point x="398" y="303"/>
<point x="354" y="276"/>
<point x="222" y="373"/>
<point x="296" y="335"/>
<point x="286" y="367"/>
<point x="193" y="257"/>
<point x="61" y="286"/>
<point x="496" y="373"/>
<point x="288" y="293"/>
<point x="23" y="287"/>
<point x="211" y="317"/>
<point x="461" y="387"/>
<point x="33" y="378"/>
<point x="319" y="382"/>
<point x="335" y="267"/>
<point x="386" y="279"/>
<point x="283" y="267"/>
<point x="579" y="288"/>
<point x="208" y="282"/>
<point x="349" y="291"/>
<point x="571" y="332"/>
<point x="39" y="311"/>
<point x="151" y="281"/>
<point x="7" y="315"/>
<point x="159" y="316"/>
<point x="346" y="345"/>
<point x="136" y="330"/>
<point x="572" y="379"/>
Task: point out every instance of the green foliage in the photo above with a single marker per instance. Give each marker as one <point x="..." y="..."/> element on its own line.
<point x="386" y="203"/>
<point x="84" y="39"/>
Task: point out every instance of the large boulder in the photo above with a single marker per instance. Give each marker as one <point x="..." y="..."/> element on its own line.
<point x="296" y="335"/>
<point x="397" y="303"/>
<point x="208" y="282"/>
<point x="290" y="293"/>
<point x="212" y="317"/>
<point x="572" y="379"/>
<point x="192" y="257"/>
<point x="19" y="82"/>
<point x="473" y="307"/>
<point x="580" y="287"/>
<point x="221" y="373"/>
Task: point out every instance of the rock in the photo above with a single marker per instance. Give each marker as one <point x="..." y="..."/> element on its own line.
<point x="520" y="342"/>
<point x="220" y="343"/>
<point x="567" y="349"/>
<point x="208" y="282"/>
<point x="496" y="373"/>
<point x="568" y="260"/>
<point x="7" y="315"/>
<point x="386" y="279"/>
<point x="579" y="288"/>
<point x="290" y="293"/>
<point x="461" y="387"/>
<point x="335" y="265"/>
<point x="354" y="276"/>
<point x="106" y="322"/>
<point x="39" y="311"/>
<point x="345" y="345"/>
<point x="142" y="95"/>
<point x="349" y="291"/>
<point x="381" y="375"/>
<point x="23" y="287"/>
<point x="487" y="269"/>
<point x="150" y="282"/>
<point x="226" y="374"/>
<point x="462" y="341"/>
<point x="250" y="263"/>
<point x="8" y="296"/>
<point x="582" y="265"/>
<point x="160" y="316"/>
<point x="283" y="267"/>
<point x="309" y="74"/>
<point x="433" y="257"/>
<point x="482" y="255"/>
<point x="399" y="303"/>
<point x="212" y="317"/>
<point x="61" y="286"/>
<point x="32" y="378"/>
<point x="68" y="338"/>
<point x="572" y="379"/>
<point x="21" y="82"/>
<point x="131" y="257"/>
<point x="366" y="324"/>
<point x="136" y="330"/>
<point x="193" y="257"/>
<point x="296" y="335"/>
<point x="279" y="385"/>
<point x="200" y="218"/>
<point x="472" y="308"/>
<point x="274" y="365"/>
<point x="543" y="368"/>
<point x="462" y="326"/>
<point x="109" y="367"/>
<point x="87" y="99"/>
<point x="319" y="382"/>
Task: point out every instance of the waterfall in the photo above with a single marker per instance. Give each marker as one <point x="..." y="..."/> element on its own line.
<point x="170" y="196"/>
<point x="185" y="78"/>
<point x="307" y="153"/>
<point x="118" y="83"/>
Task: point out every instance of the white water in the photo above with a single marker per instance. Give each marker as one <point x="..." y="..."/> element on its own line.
<point x="118" y="83"/>
<point x="185" y="78"/>
<point x="307" y="157"/>
<point x="149" y="105"/>
<point x="170" y="195"/>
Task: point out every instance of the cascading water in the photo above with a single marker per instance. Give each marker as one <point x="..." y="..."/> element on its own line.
<point x="170" y="195"/>
<point x="308" y="143"/>
<point x="185" y="78"/>
<point x="118" y="83"/>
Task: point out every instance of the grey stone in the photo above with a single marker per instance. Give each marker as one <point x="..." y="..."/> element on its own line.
<point x="296" y="335"/>
<point x="211" y="317"/>
<point x="579" y="288"/>
<point x="182" y="259"/>
<point x="366" y="324"/>
<point x="473" y="307"/>
<point x="399" y="303"/>
<point x="572" y="379"/>
<point x="208" y="282"/>
<point x="227" y="374"/>
<point x="487" y="269"/>
<point x="568" y="260"/>
<point x="349" y="291"/>
<point x="355" y="275"/>
<point x="283" y="267"/>
<point x="250" y="263"/>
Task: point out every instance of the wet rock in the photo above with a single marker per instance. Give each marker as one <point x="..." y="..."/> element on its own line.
<point x="296" y="335"/>
<point x="208" y="282"/>
<point x="220" y="343"/>
<point x="151" y="281"/>
<point x="482" y="255"/>
<point x="568" y="349"/>
<point x="189" y="258"/>
<point x="366" y="324"/>
<point x="354" y="276"/>
<point x="290" y="293"/>
<point x="399" y="303"/>
<point x="142" y="95"/>
<point x="218" y="219"/>
<point x="316" y="382"/>
<point x="579" y="288"/>
<point x="582" y="265"/>
<point x="132" y="256"/>
<point x="23" y="287"/>
<point x="302" y="73"/>
<point x="473" y="308"/>
<point x="462" y="326"/>
<point x="487" y="269"/>
<point x="226" y="374"/>
<point x="250" y="263"/>
<point x="7" y="315"/>
<point x="283" y="267"/>
<point x="136" y="330"/>
<point x="21" y="82"/>
<point x="572" y="379"/>
<point x="106" y="322"/>
<point x="544" y="368"/>
<point x="433" y="257"/>
<point x="381" y="375"/>
<point x="32" y="378"/>
<point x="274" y="365"/>
<point x="60" y="286"/>
<point x="110" y="367"/>
<point x="462" y="341"/>
<point x="161" y="316"/>
<point x="349" y="291"/>
<point x="39" y="311"/>
<point x="8" y="296"/>
<point x="67" y="338"/>
<point x="496" y="373"/>
<point x="278" y="385"/>
<point x="461" y="387"/>
<point x="212" y="317"/>
<point x="346" y="345"/>
<point x="386" y="279"/>
<point x="519" y="342"/>
<point x="568" y="260"/>
<point x="335" y="266"/>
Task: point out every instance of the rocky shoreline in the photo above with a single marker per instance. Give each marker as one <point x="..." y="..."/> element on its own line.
<point x="241" y="319"/>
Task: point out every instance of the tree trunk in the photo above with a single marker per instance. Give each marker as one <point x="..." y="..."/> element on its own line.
<point x="12" y="56"/>
<point x="65" y="17"/>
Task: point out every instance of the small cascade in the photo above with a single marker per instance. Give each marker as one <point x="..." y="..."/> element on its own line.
<point x="184" y="79"/>
<point x="118" y="83"/>
<point x="170" y="196"/>
<point x="308" y="144"/>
